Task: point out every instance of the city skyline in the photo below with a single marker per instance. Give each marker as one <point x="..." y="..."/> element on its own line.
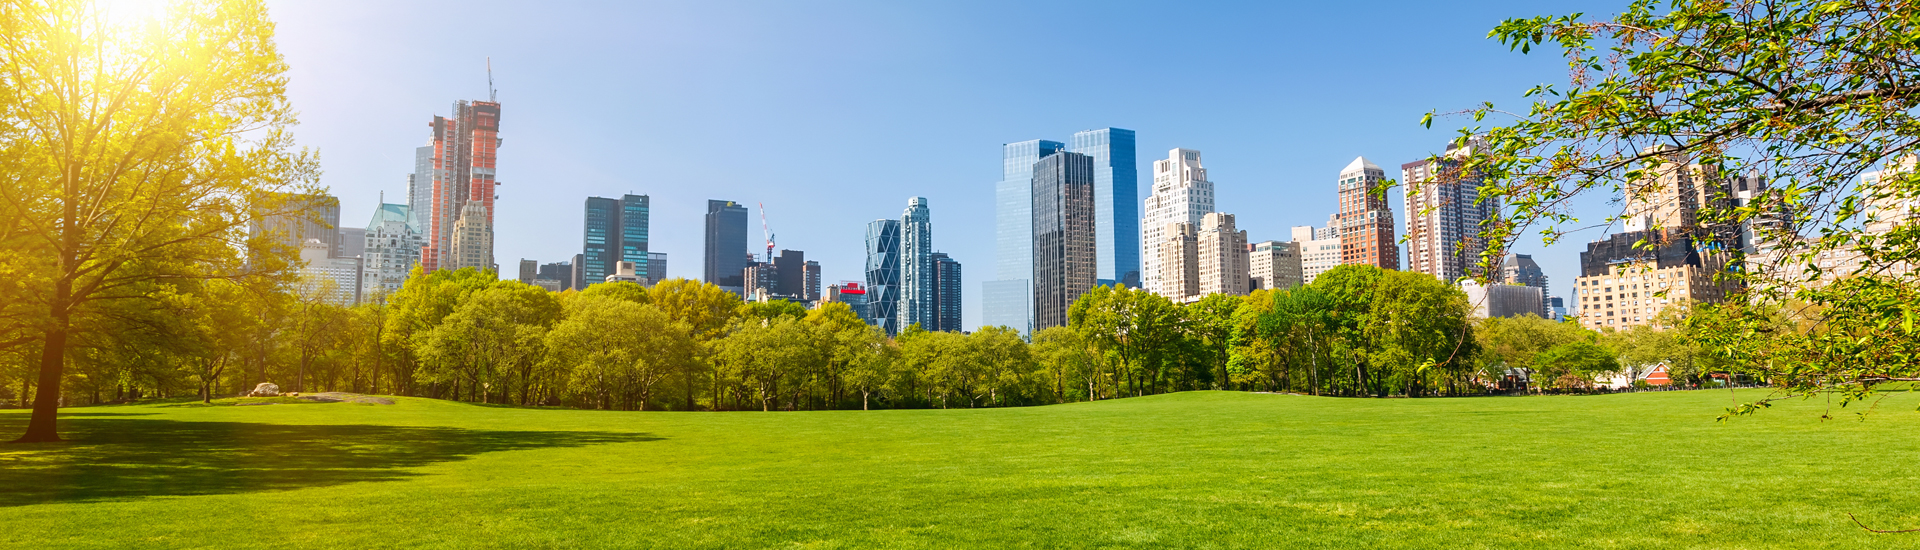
<point x="1271" y="143"/>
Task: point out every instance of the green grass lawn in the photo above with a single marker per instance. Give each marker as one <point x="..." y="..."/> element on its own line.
<point x="1196" y="470"/>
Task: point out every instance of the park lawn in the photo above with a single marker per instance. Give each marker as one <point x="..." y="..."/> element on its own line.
<point x="1192" y="470"/>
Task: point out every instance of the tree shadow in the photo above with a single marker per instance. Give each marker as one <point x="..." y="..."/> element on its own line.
<point x="114" y="458"/>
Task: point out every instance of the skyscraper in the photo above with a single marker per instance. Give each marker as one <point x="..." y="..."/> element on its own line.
<point x="1365" y="223"/>
<point x="810" y="290"/>
<point x="916" y="264"/>
<point x="656" y="267"/>
<point x="1222" y="256"/>
<point x="616" y="231"/>
<point x="392" y="249"/>
<point x="1006" y="299"/>
<point x="461" y="170"/>
<point x="1181" y="194"/>
<point x="946" y="293"/>
<point x="726" y="254"/>
<point x="561" y="273"/>
<point x="883" y="274"/>
<point x="303" y="218"/>
<point x="1444" y="216"/>
<point x="1116" y="210"/>
<point x="1063" y="236"/>
<point x="529" y="270"/>
<point x="790" y="275"/>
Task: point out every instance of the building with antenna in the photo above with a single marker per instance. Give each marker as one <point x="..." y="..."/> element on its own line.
<point x="460" y="186"/>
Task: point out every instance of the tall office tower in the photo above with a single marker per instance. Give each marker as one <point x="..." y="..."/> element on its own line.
<point x="616" y="231"/>
<point x="656" y="267"/>
<point x="1365" y="221"/>
<point x="762" y="280"/>
<point x="558" y="272"/>
<point x="578" y="275"/>
<point x="1063" y="236"/>
<point x="790" y="279"/>
<point x="353" y="242"/>
<point x="464" y="149"/>
<point x="1274" y="265"/>
<point x="1007" y="299"/>
<point x="1116" y="210"/>
<point x="810" y="291"/>
<point x="1444" y="214"/>
<point x="420" y="186"/>
<point x="1179" y="263"/>
<point x="1223" y="256"/>
<point x="392" y="249"/>
<point x="1181" y="194"/>
<point x="916" y="265"/>
<point x="946" y="293"/>
<point x="529" y="270"/>
<point x="1319" y="251"/>
<point x="302" y="218"/>
<point x="726" y="254"/>
<point x="883" y="274"/>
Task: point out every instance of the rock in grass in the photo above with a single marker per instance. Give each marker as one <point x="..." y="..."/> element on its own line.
<point x="265" y="389"/>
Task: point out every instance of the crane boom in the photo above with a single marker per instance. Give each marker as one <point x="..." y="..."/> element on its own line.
<point x="765" y="231"/>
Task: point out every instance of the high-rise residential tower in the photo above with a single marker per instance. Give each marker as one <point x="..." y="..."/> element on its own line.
<point x="1006" y="299"/>
<point x="616" y="231"/>
<point x="1181" y="194"/>
<point x="305" y="217"/>
<point x="726" y="254"/>
<point x="916" y="265"/>
<point x="883" y="275"/>
<point x="1064" y="244"/>
<point x="1365" y="223"/>
<point x="461" y="182"/>
<point x="1222" y="256"/>
<point x="946" y="293"/>
<point x="1444" y="214"/>
<point x="1116" y="210"/>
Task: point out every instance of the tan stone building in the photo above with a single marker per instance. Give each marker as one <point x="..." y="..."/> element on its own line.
<point x="1179" y="263"/>
<point x="1222" y="256"/>
<point x="1274" y="265"/>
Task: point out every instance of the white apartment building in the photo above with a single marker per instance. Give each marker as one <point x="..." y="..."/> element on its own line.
<point x="1319" y="251"/>
<point x="392" y="248"/>
<point x="1181" y="194"/>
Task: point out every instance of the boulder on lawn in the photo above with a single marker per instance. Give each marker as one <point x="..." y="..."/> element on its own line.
<point x="265" y="389"/>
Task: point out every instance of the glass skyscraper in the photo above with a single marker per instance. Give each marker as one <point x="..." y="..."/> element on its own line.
<point x="1116" y="203"/>
<point x="916" y="265"/>
<point x="946" y="293"/>
<point x="1063" y="239"/>
<point x="1006" y="298"/>
<point x="726" y="254"/>
<point x="883" y="274"/>
<point x="616" y="231"/>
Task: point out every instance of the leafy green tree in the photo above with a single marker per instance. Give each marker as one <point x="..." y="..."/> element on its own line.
<point x="1574" y="364"/>
<point x="873" y="359"/>
<point x="1128" y="326"/>
<point x="705" y="309"/>
<point x="421" y="304"/>
<point x="1419" y="332"/>
<point x="1210" y="323"/>
<point x="1068" y="362"/>
<point x="615" y="352"/>
<point x="1808" y="94"/>
<point x="135" y="155"/>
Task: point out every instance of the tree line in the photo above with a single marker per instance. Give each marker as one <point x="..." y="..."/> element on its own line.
<point x="687" y="345"/>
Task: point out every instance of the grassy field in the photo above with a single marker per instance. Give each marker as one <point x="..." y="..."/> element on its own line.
<point x="1195" y="470"/>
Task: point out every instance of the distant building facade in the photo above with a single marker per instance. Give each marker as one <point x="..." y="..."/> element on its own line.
<point x="1365" y="222"/>
<point x="391" y="249"/>
<point x="883" y="274"/>
<point x="726" y="245"/>
<point x="946" y="293"/>
<point x="1181" y="194"/>
<point x="1319" y="251"/>
<point x="1178" y="262"/>
<point x="1063" y="236"/>
<point x="1007" y="299"/>
<point x="916" y="265"/>
<point x="1222" y="256"/>
<point x="616" y="231"/>
<point x="461" y="157"/>
<point x="1444" y="214"/>
<point x="1274" y="265"/>
<point x="1116" y="212"/>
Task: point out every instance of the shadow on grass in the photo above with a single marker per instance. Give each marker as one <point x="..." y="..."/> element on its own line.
<point x="123" y="458"/>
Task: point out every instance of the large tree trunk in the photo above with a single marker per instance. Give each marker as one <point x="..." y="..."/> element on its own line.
<point x="46" y="404"/>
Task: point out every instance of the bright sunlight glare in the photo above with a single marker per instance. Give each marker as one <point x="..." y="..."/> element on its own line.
<point x="124" y="12"/>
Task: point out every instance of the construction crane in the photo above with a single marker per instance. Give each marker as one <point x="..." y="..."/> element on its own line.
<point x="765" y="231"/>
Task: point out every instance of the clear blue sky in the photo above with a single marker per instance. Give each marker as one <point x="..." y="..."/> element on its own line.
<point x="835" y="113"/>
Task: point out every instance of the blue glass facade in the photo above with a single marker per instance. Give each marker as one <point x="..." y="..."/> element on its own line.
<point x="916" y="266"/>
<point x="1013" y="236"/>
<point x="616" y="231"/>
<point x="883" y="274"/>
<point x="1116" y="203"/>
<point x="726" y="246"/>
